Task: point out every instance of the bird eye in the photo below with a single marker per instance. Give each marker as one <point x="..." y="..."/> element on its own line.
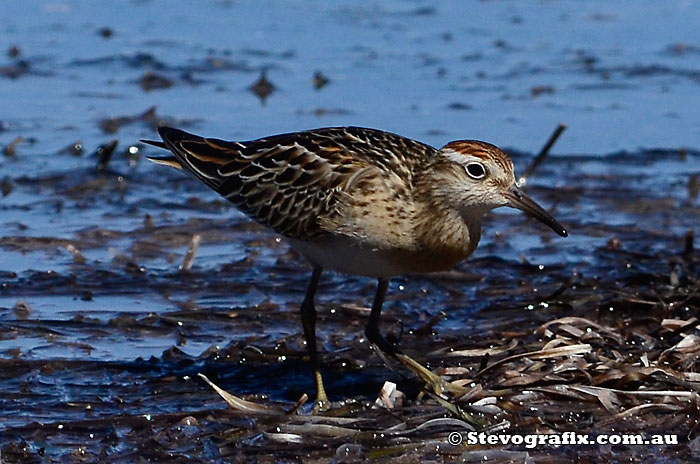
<point x="476" y="170"/>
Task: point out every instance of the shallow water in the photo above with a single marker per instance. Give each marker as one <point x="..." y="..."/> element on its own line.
<point x="117" y="311"/>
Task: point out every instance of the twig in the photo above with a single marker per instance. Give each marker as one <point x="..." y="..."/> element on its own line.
<point x="11" y="148"/>
<point x="542" y="155"/>
<point x="427" y="328"/>
<point x="191" y="253"/>
<point x="300" y="402"/>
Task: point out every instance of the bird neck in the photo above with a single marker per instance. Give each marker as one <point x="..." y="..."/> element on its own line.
<point x="442" y="227"/>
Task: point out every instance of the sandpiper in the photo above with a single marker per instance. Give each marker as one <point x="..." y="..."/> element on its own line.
<point x="359" y="201"/>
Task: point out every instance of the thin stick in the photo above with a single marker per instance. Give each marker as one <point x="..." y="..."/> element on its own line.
<point x="191" y="253"/>
<point x="428" y="327"/>
<point x="11" y="148"/>
<point x="542" y="155"/>
<point x="300" y="402"/>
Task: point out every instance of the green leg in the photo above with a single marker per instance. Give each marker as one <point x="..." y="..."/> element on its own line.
<point x="308" y="321"/>
<point x="434" y="381"/>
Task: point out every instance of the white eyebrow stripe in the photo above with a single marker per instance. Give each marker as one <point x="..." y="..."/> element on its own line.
<point x="458" y="157"/>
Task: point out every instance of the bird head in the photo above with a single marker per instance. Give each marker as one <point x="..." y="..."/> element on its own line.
<point x="475" y="177"/>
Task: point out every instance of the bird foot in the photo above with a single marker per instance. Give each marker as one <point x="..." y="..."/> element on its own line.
<point x="322" y="405"/>
<point x="436" y="383"/>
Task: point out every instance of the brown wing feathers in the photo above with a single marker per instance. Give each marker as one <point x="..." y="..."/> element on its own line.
<point x="284" y="187"/>
<point x="291" y="182"/>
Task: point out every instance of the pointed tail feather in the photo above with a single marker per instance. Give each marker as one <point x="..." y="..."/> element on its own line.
<point x="170" y="161"/>
<point x="203" y="157"/>
<point x="155" y="143"/>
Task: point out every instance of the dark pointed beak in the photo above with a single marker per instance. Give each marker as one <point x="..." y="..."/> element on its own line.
<point x="518" y="200"/>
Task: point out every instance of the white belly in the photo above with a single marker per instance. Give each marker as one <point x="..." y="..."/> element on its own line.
<point x="352" y="257"/>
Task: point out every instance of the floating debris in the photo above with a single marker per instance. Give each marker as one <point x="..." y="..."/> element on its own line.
<point x="105" y="32"/>
<point x="15" y="70"/>
<point x="11" y="148"/>
<point x="113" y="124"/>
<point x="460" y="106"/>
<point x="324" y="111"/>
<point x="6" y="186"/>
<point x="78" y="257"/>
<point x="320" y="80"/>
<point x="22" y="309"/>
<point x="152" y="81"/>
<point x="13" y="51"/>
<point x="614" y="243"/>
<point x="263" y="88"/>
<point x="75" y="149"/>
<point x="682" y="49"/>
<point x="538" y="90"/>
<point x="148" y="222"/>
